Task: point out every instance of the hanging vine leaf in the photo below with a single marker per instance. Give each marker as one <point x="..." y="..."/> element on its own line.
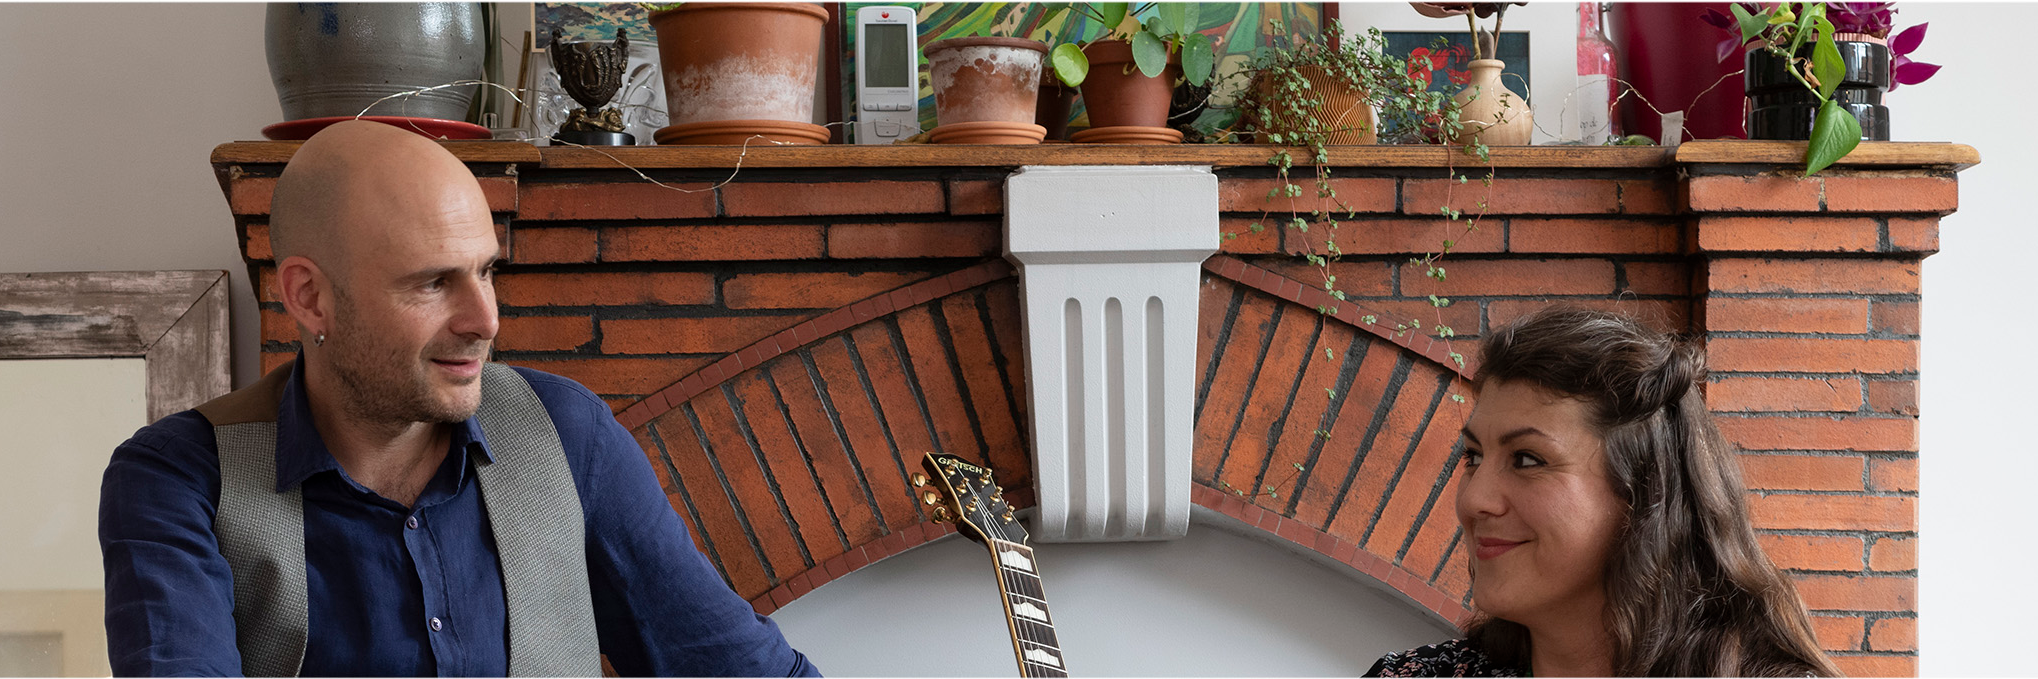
<point x="1835" y="132"/>
<point x="1827" y="63"/>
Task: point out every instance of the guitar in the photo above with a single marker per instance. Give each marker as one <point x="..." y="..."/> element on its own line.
<point x="976" y="502"/>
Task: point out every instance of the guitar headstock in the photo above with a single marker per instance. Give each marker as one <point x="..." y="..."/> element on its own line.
<point x="968" y="495"/>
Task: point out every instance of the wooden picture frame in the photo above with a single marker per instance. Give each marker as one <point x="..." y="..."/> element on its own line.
<point x="176" y="321"/>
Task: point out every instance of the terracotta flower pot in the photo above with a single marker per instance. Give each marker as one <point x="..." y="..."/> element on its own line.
<point x="1118" y="95"/>
<point x="726" y="62"/>
<point x="1345" y="117"/>
<point x="1490" y="112"/>
<point x="1051" y="108"/>
<point x="989" y="85"/>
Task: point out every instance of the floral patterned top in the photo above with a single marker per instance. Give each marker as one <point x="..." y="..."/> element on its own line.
<point x="1454" y="658"/>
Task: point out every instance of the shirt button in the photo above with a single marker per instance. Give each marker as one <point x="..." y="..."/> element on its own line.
<point x="436" y="625"/>
<point x="412" y="523"/>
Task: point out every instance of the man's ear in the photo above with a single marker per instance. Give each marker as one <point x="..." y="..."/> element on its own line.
<point x="307" y="294"/>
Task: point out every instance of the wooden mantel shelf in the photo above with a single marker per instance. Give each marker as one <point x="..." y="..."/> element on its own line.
<point x="1869" y="155"/>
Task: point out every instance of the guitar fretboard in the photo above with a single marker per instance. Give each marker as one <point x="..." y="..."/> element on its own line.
<point x="1026" y="612"/>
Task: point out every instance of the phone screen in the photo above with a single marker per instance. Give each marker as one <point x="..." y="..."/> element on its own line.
<point x="890" y="60"/>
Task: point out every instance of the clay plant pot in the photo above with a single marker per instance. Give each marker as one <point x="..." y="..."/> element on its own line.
<point x="1118" y="95"/>
<point x="1345" y="117"/>
<point x="737" y="67"/>
<point x="985" y="90"/>
<point x="1051" y="108"/>
<point x="1489" y="111"/>
<point x="335" y="59"/>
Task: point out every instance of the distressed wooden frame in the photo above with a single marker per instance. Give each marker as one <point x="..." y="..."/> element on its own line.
<point x="176" y="321"/>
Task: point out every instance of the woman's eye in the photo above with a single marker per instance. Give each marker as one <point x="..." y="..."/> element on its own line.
<point x="1526" y="460"/>
<point x="1472" y="458"/>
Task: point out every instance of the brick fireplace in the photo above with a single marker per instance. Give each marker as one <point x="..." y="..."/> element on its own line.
<point x="786" y="330"/>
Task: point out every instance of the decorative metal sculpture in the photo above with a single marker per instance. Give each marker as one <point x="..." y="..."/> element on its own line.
<point x="591" y="72"/>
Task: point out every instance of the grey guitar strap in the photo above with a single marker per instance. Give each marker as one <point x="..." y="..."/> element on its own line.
<point x="531" y="501"/>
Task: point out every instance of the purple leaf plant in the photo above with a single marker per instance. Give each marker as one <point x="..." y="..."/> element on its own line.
<point x="1871" y="18"/>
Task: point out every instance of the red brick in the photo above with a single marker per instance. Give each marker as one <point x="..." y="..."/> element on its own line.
<point x="1754" y="194"/>
<point x="278" y="327"/>
<point x="1660" y="314"/>
<point x="273" y="359"/>
<point x="1893" y="475"/>
<point x="1893" y="396"/>
<point x="265" y="284"/>
<point x="711" y="243"/>
<point x="250" y="195"/>
<point x="1893" y="634"/>
<point x="1857" y="276"/>
<point x="552" y="246"/>
<point x="1812" y="315"/>
<point x="1658" y="278"/>
<point x="1593" y="236"/>
<point x="617" y="376"/>
<point x="976" y="196"/>
<point x="1646" y="197"/>
<point x="1821" y="433"/>
<point x="500" y="192"/>
<point x="1877" y="665"/>
<point x="1238" y="236"/>
<point x="1898" y="318"/>
<point x="1782" y="394"/>
<point x="803" y="199"/>
<point x="543" y="333"/>
<point x="1834" y="512"/>
<point x="1394" y="236"/>
<point x="1894" y="554"/>
<point x="1892" y="194"/>
<point x="809" y="290"/>
<point x="257" y="247"/>
<point x="617" y="200"/>
<point x="1359" y="279"/>
<point x="1813" y="553"/>
<point x="1465" y="278"/>
<point x="711" y="335"/>
<point x="793" y="485"/>
<point x="1810" y="354"/>
<point x="915" y="239"/>
<point x="1803" y="472"/>
<point x="1462" y="317"/>
<point x="1857" y="593"/>
<point x="1788" y="234"/>
<point x="1354" y="194"/>
<point x="1919" y="234"/>
<point x="1838" y="633"/>
<point x="1512" y="196"/>
<point x="604" y="289"/>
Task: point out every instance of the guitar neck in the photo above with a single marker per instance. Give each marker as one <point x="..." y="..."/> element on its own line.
<point x="1026" y="613"/>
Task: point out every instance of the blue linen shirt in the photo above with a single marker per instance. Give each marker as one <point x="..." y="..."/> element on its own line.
<point x="418" y="591"/>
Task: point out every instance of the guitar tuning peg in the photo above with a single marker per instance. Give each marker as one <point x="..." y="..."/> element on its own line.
<point x="986" y="478"/>
<point x="941" y="515"/>
<point x="931" y="497"/>
<point x="972" y="507"/>
<point x="1008" y="514"/>
<point x="919" y="480"/>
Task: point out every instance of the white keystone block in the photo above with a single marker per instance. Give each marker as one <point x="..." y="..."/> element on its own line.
<point x="1110" y="261"/>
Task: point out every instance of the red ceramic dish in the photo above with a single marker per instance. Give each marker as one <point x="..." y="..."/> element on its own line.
<point x="299" y="130"/>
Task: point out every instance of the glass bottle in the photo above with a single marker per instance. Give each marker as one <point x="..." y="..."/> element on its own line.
<point x="1597" y="68"/>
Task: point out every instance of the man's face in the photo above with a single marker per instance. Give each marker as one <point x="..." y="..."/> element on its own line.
<point x="414" y="310"/>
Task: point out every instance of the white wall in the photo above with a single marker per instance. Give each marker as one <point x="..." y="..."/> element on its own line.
<point x="1213" y="604"/>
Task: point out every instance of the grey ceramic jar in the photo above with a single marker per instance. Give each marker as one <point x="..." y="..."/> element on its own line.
<point x="334" y="59"/>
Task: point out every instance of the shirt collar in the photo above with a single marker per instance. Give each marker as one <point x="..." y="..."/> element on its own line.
<point x="301" y="452"/>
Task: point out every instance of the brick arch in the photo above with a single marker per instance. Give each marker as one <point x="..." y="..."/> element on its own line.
<point x="1375" y="494"/>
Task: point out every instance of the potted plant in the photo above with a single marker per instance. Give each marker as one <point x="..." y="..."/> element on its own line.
<point x="1803" y="83"/>
<point x="735" y="71"/>
<point x="1324" y="91"/>
<point x="1128" y="74"/>
<point x="1488" y="111"/>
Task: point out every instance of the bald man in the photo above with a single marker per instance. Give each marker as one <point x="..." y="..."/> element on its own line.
<point x="391" y="503"/>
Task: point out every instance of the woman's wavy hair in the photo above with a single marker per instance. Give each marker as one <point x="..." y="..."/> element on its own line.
<point x="1688" y="590"/>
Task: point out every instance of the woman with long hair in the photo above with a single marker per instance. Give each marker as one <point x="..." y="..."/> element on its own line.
<point x="1607" y="520"/>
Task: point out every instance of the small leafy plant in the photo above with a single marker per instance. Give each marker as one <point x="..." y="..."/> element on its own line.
<point x="1785" y="29"/>
<point x="1171" y="30"/>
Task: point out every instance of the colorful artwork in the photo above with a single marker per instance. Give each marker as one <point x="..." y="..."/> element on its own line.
<point x="1236" y="28"/>
<point x="590" y="21"/>
<point x="1447" y="69"/>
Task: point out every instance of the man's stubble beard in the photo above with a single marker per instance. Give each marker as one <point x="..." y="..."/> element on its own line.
<point x="382" y="384"/>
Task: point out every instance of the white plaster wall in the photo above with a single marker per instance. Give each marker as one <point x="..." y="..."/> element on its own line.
<point x="1213" y="604"/>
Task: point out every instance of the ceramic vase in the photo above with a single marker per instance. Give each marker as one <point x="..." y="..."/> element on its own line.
<point x="740" y="72"/>
<point x="336" y="59"/>
<point x="1779" y="107"/>
<point x="985" y="90"/>
<point x="1489" y="112"/>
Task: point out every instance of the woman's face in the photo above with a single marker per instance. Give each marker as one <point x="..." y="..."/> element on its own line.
<point x="1539" y="516"/>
